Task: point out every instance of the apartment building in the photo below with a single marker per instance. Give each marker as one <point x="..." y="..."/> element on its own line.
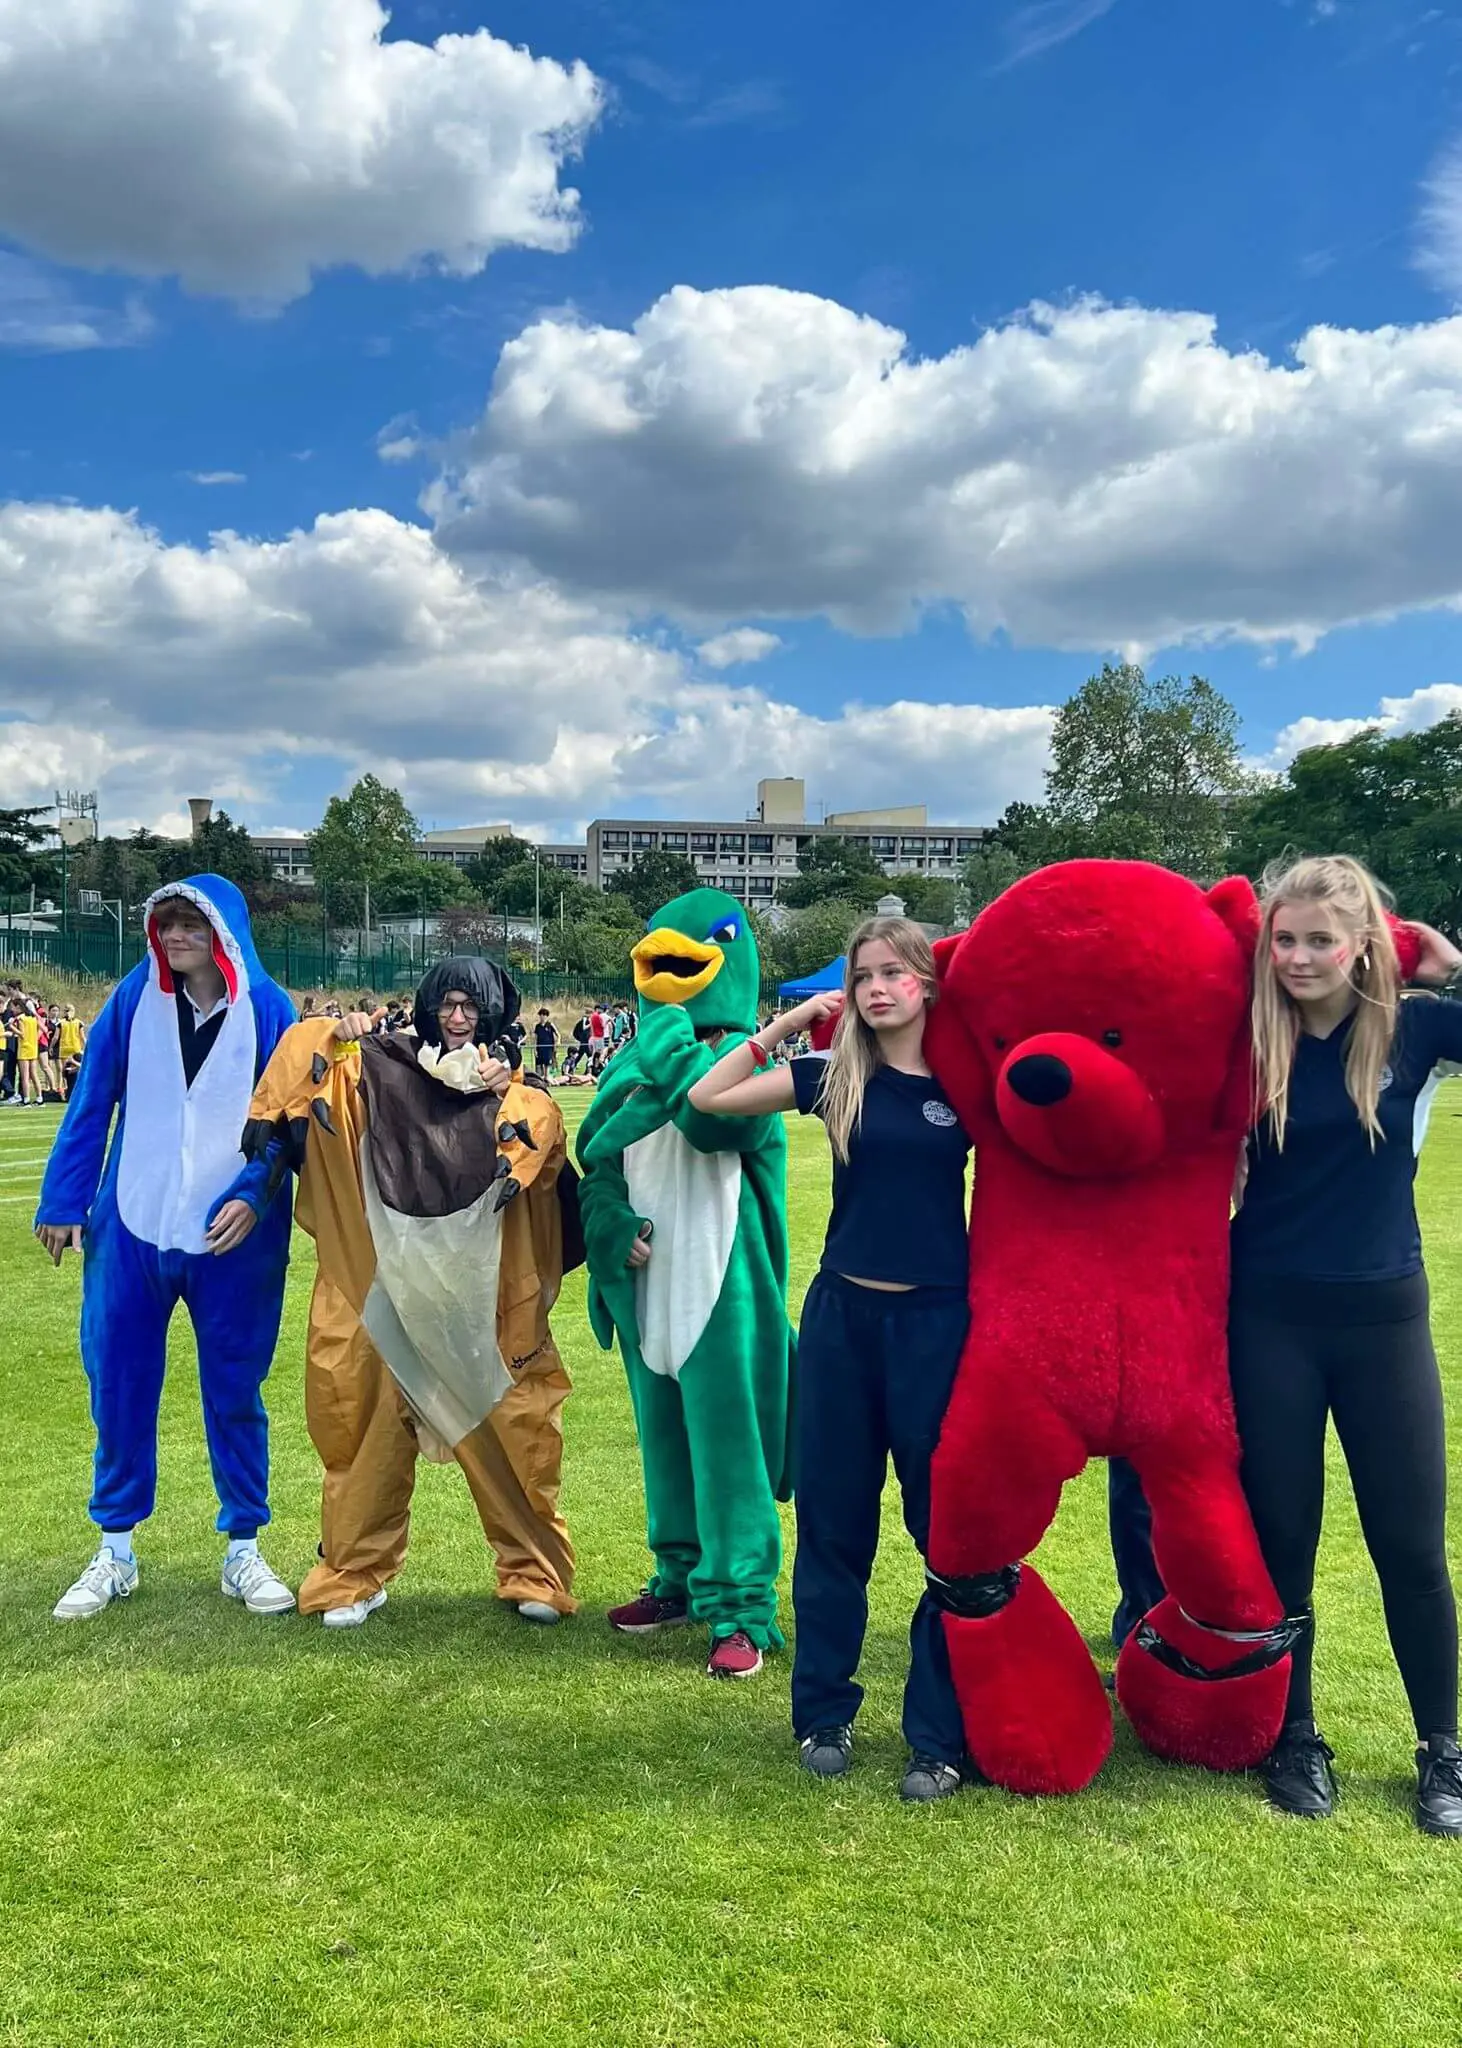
<point x="289" y="855"/>
<point x="749" y="858"/>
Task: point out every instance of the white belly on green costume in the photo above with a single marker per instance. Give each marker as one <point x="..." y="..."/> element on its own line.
<point x="693" y="1199"/>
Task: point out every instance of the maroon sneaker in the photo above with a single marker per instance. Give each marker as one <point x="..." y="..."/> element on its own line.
<point x="734" y="1657"/>
<point x="650" y="1611"/>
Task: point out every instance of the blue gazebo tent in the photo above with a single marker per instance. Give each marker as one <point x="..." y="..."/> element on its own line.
<point x="826" y="980"/>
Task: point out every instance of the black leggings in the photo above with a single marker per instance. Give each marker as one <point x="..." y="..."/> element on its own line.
<point x="1362" y="1352"/>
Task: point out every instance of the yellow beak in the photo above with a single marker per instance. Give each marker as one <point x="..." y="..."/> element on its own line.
<point x="670" y="968"/>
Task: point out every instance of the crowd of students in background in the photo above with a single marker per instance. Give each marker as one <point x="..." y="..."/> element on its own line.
<point x="41" y="1045"/>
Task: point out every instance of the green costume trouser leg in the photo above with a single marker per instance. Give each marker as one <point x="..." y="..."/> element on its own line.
<point x="720" y="1424"/>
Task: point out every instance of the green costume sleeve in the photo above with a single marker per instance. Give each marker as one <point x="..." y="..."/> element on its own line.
<point x="676" y="1059"/>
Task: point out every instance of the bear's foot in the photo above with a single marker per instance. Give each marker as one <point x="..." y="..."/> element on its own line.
<point x="1037" y="1717"/>
<point x="1198" y="1696"/>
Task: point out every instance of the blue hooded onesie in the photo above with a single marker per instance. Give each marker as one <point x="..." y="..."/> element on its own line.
<point x="174" y="1161"/>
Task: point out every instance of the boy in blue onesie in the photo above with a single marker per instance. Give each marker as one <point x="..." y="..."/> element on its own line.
<point x="175" y="1216"/>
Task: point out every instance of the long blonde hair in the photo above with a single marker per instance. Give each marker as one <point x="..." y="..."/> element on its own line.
<point x="1358" y="903"/>
<point x="855" y="1054"/>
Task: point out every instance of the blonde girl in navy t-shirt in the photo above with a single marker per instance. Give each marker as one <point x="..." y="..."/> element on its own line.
<point x="881" y="1334"/>
<point x="1328" y="1310"/>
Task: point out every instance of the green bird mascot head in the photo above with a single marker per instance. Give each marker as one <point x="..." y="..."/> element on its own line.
<point x="700" y="956"/>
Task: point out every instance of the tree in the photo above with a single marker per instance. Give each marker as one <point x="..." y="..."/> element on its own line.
<point x="486" y="871"/>
<point x="417" y="885"/>
<point x="121" y="871"/>
<point x="988" y="873"/>
<point x="596" y="940"/>
<point x="362" y="838"/>
<point x="812" y="937"/>
<point x="653" y="878"/>
<point x="1395" y="802"/>
<point x="23" y="864"/>
<point x="219" y="847"/>
<point x="928" y="899"/>
<point x="834" y="871"/>
<point x="1139" y="770"/>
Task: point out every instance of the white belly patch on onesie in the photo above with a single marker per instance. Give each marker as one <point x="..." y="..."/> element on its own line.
<point x="693" y="1199"/>
<point x="432" y="1308"/>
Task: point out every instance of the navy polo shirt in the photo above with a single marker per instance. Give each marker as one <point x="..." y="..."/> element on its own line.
<point x="899" y="1200"/>
<point x="1329" y="1206"/>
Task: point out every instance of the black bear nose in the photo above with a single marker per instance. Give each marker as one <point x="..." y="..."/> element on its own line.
<point x="1040" y="1079"/>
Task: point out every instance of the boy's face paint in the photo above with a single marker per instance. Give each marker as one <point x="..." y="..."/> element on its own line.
<point x="186" y="938"/>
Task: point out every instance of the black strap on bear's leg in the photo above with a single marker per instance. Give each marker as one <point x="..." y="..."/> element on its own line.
<point x="973" y="1599"/>
<point x="1270" y="1645"/>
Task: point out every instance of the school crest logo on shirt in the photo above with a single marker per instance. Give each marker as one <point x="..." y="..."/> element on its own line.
<point x="939" y="1113"/>
<point x="1387" y="1077"/>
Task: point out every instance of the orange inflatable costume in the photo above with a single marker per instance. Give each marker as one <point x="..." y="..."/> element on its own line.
<point x="439" y="1233"/>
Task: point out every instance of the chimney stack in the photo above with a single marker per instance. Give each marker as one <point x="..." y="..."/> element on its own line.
<point x="200" y="810"/>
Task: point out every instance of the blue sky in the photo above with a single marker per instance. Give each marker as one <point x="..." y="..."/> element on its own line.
<point x="1265" y="165"/>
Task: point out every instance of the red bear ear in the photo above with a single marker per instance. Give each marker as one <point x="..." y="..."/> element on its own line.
<point x="1233" y="900"/>
<point x="1408" y="946"/>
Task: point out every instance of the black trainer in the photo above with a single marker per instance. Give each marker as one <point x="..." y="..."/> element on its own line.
<point x="930" y="1777"/>
<point x="1439" y="1786"/>
<point x="1297" y="1773"/>
<point x="827" y="1752"/>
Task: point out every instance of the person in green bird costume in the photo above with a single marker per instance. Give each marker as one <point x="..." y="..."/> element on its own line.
<point x="685" y="1230"/>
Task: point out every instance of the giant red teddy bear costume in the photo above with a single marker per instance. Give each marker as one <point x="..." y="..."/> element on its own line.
<point x="1093" y="1031"/>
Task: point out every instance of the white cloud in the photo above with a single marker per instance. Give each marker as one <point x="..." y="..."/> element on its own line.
<point x="1089" y="477"/>
<point x="171" y="671"/>
<point x="741" y="644"/>
<point x="242" y="146"/>
<point x="216" y="476"/>
<point x="1395" y="715"/>
<point x="1441" y="222"/>
<point x="40" y="313"/>
<point x="1041" y="24"/>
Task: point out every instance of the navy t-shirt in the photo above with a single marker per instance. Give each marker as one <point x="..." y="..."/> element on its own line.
<point x="1329" y="1207"/>
<point x="899" y="1201"/>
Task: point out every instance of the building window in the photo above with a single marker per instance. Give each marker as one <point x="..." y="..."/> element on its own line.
<point x="911" y="849"/>
<point x="614" y="838"/>
<point x="733" y="842"/>
<point x="760" y="885"/>
<point x="942" y="847"/>
<point x="673" y="842"/>
<point x="644" y="839"/>
<point x="702" y="842"/>
<point x="965" y="847"/>
<point x="884" y="849"/>
<point x="758" y="842"/>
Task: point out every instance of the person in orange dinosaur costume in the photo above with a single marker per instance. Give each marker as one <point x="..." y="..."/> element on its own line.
<point x="1093" y="1032"/>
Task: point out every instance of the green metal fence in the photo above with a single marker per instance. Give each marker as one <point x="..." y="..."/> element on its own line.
<point x="93" y="955"/>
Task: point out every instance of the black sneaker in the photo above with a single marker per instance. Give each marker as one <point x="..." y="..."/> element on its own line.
<point x="1439" y="1786"/>
<point x="930" y="1777"/>
<point x="1297" y="1773"/>
<point x="827" y="1752"/>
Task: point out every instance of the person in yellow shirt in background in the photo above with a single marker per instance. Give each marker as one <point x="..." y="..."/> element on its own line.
<point x="70" y="1036"/>
<point x="28" y="1029"/>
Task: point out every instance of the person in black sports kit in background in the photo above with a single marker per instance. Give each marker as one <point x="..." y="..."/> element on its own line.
<point x="1328" y="1312"/>
<point x="882" y="1330"/>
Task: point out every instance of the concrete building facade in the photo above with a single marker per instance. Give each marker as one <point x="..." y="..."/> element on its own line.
<point x="747" y="857"/>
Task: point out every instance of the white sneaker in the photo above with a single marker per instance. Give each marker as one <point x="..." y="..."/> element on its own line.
<point x="353" y="1615"/>
<point x="247" y="1578"/>
<point x="539" y="1611"/>
<point x="105" y="1579"/>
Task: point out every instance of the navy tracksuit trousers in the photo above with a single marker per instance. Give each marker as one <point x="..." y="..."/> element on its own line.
<point x="875" y="1372"/>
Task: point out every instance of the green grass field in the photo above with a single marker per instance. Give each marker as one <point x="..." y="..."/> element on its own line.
<point x="450" y="1828"/>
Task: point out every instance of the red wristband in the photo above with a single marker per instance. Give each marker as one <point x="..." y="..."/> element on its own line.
<point x="759" y="1052"/>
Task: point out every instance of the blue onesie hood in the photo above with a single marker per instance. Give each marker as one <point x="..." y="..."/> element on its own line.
<point x="233" y="937"/>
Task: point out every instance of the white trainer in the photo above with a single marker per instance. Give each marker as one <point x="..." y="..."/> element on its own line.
<point x="357" y="1612"/>
<point x="249" y="1579"/>
<point x="105" y="1579"/>
<point x="539" y="1611"/>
